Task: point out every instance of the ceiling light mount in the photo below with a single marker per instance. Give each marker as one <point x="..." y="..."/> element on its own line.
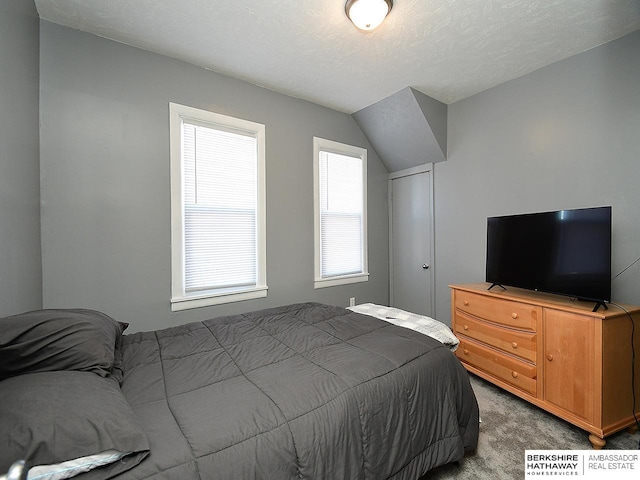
<point x="367" y="14"/>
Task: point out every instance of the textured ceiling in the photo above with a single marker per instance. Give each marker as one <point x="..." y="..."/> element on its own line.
<point x="447" y="49"/>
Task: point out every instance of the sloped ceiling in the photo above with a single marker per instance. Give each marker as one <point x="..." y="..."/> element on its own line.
<point x="406" y="129"/>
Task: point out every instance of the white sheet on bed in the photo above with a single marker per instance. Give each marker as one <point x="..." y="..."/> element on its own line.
<point x="71" y="468"/>
<point x="419" y="323"/>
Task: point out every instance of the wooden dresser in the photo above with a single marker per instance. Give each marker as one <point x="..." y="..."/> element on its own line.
<point x="553" y="352"/>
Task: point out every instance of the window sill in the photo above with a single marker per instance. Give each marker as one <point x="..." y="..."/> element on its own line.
<point x="187" y="302"/>
<point x="343" y="280"/>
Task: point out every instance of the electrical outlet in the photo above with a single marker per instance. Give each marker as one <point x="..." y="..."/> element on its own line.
<point x="352" y="301"/>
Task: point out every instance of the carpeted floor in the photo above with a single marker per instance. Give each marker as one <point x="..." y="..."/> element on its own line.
<point x="509" y="427"/>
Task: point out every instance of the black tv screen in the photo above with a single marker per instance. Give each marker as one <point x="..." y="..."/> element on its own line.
<point x="567" y="252"/>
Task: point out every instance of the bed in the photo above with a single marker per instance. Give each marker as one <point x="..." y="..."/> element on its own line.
<point x="305" y="391"/>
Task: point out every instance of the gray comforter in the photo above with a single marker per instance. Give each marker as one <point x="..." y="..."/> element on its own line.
<point x="304" y="391"/>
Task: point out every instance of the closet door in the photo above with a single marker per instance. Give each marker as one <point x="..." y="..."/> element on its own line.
<point x="411" y="240"/>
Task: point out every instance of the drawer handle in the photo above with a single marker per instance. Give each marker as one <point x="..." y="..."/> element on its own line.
<point x="514" y="374"/>
<point x="514" y="315"/>
<point x="466" y="327"/>
<point x="514" y="344"/>
<point x="549" y="357"/>
<point x="466" y="352"/>
<point x="465" y="303"/>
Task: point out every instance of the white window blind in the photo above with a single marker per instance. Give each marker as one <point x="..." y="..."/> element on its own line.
<point x="218" y="214"/>
<point x="340" y="214"/>
<point x="341" y="253"/>
<point x="220" y="202"/>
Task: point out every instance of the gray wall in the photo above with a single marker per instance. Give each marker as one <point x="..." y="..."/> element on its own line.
<point x="20" y="263"/>
<point x="106" y="191"/>
<point x="565" y="136"/>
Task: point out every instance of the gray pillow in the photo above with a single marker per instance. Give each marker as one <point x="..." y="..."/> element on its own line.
<point x="50" y="340"/>
<point x="51" y="417"/>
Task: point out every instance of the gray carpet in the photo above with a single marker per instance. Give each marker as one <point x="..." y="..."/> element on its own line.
<point x="509" y="427"/>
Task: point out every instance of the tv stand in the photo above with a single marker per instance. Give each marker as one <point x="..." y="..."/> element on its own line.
<point x="557" y="353"/>
<point x="497" y="285"/>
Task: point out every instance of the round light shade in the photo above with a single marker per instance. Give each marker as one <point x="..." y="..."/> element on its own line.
<point x="368" y="14"/>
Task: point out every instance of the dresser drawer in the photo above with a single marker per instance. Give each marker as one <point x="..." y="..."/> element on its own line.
<point x="504" y="367"/>
<point x="505" y="312"/>
<point x="516" y="342"/>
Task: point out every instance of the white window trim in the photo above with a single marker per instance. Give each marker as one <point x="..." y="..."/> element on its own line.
<point x="181" y="300"/>
<point x="321" y="144"/>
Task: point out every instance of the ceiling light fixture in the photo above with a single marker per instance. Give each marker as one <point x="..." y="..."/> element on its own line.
<point x="367" y="14"/>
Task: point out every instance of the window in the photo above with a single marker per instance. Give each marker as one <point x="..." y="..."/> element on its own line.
<point x="217" y="208"/>
<point x="340" y="198"/>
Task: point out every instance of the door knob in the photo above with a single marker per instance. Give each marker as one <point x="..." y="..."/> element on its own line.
<point x="425" y="266"/>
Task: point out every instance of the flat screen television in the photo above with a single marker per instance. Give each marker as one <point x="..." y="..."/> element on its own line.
<point x="567" y="252"/>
